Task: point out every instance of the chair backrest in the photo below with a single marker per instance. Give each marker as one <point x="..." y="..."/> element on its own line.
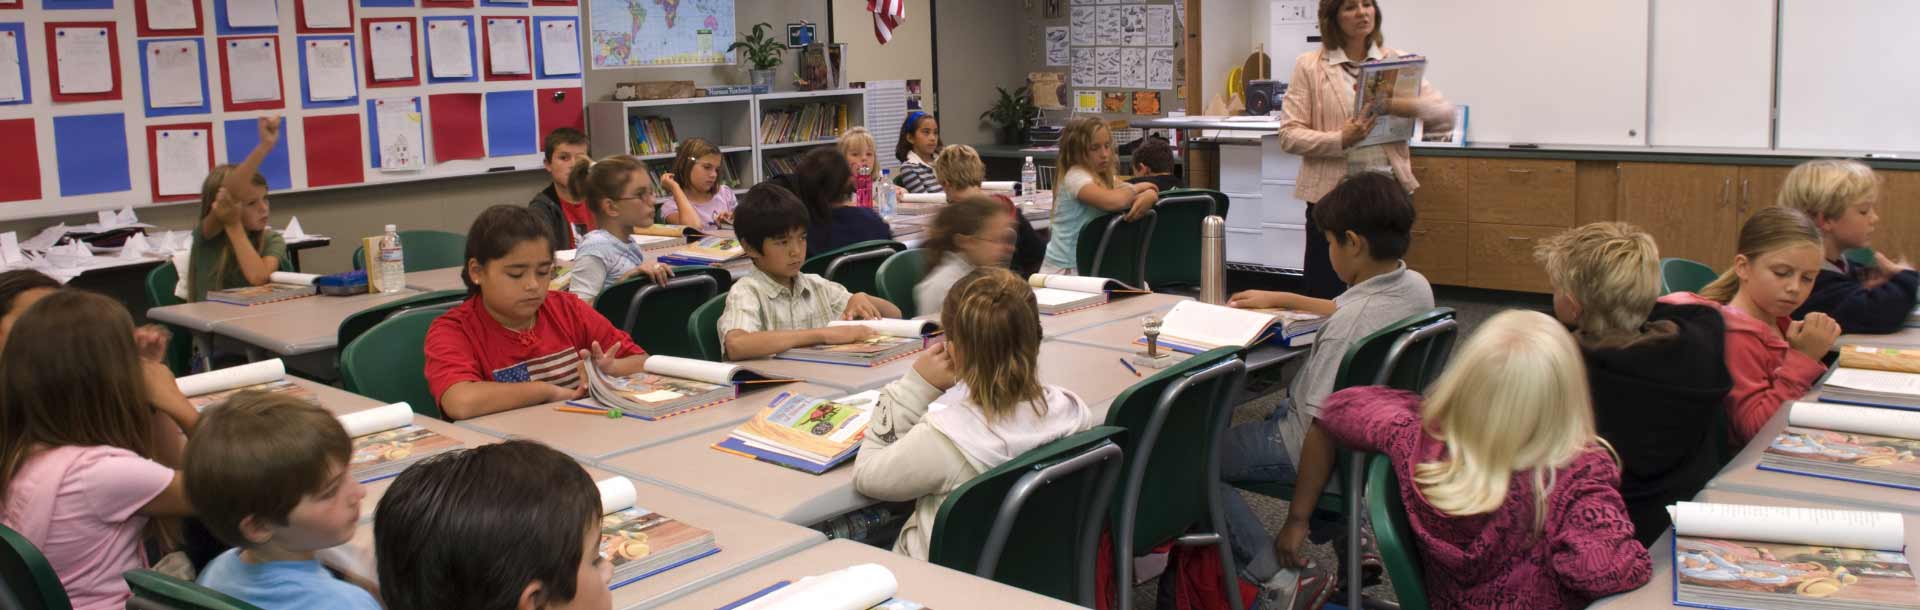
<point x="1176" y="235"/>
<point x="179" y="594"/>
<point x="28" y="575"/>
<point x="677" y="299"/>
<point x="1114" y="249"/>
<point x="1404" y="355"/>
<point x="854" y="265"/>
<point x="1398" y="547"/>
<point x="1682" y="275"/>
<point x="1034" y="522"/>
<point x="615" y="300"/>
<point x="425" y="250"/>
<point x="1174" y="420"/>
<point x="703" y="328"/>
<point x="358" y="323"/>
<point x="160" y="283"/>
<point x="897" y="278"/>
<point x="389" y="361"/>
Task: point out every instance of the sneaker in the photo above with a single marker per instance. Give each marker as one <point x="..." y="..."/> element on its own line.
<point x="1308" y="588"/>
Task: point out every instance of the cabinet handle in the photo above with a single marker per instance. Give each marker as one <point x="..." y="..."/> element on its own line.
<point x="1745" y="197"/>
<point x="1510" y="238"/>
<point x="1515" y="170"/>
<point x="1726" y="190"/>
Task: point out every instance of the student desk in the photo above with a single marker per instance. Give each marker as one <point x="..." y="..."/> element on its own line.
<point x="1124" y="311"/>
<point x="1121" y="334"/>
<point x="1742" y="475"/>
<point x="338" y="401"/>
<point x="848" y="378"/>
<point x="593" y="439"/>
<point x="1905" y="337"/>
<point x="920" y="582"/>
<point x="293" y="327"/>
<point x="1092" y="372"/>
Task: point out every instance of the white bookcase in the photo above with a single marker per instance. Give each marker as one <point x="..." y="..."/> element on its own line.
<point x="731" y="122"/>
<point x="855" y="99"/>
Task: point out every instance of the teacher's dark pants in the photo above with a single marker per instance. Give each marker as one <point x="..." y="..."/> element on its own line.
<point x="1320" y="281"/>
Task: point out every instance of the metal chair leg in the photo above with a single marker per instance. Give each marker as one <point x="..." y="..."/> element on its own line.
<point x="1356" y="480"/>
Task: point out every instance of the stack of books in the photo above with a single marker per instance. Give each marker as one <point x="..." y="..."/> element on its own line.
<point x="782" y="165"/>
<point x="652" y="135"/>
<point x="385" y="442"/>
<point x="1874" y="376"/>
<point x="262" y="294"/>
<point x="804" y="433"/>
<point x="657" y="242"/>
<point x="215" y="387"/>
<point x="641" y="543"/>
<point x="669" y="386"/>
<point x="1194" y="327"/>
<point x="1781" y="558"/>
<point x="893" y="339"/>
<point x="1847" y="442"/>
<point x="707" y="251"/>
<point x="803" y="123"/>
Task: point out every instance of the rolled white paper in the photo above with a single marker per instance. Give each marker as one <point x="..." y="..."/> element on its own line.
<point x="289" y="277"/>
<point x="232" y="377"/>
<point x="998" y="185"/>
<point x="855" y="588"/>
<point x="616" y="494"/>
<point x="1853" y="529"/>
<point x="923" y="198"/>
<point x="379" y="419"/>
<point x="1861" y="420"/>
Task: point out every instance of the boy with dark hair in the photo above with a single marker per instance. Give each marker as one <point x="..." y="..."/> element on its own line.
<point x="1153" y="164"/>
<point x="269" y="475"/>
<point x="566" y="219"/>
<point x="1368" y="220"/>
<point x="776" y="307"/>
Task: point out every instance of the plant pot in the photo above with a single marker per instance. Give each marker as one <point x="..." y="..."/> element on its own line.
<point x="1012" y="135"/>
<point x="762" y="80"/>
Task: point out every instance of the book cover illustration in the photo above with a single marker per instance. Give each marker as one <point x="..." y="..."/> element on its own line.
<point x="824" y="428"/>
<point x="655" y="389"/>
<point x="279" y="386"/>
<point x="1863" y="450"/>
<point x="397" y="446"/>
<point x="635" y="534"/>
<point x="869" y="345"/>
<point x="1794" y="575"/>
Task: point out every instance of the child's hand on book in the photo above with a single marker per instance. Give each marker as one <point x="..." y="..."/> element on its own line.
<point x="861" y="307"/>
<point x="842" y="335"/>
<point x="936" y="366"/>
<point x="559" y="394"/>
<point x="723" y="218"/>
<point x="1257" y="299"/>
<point x="1814" y="335"/>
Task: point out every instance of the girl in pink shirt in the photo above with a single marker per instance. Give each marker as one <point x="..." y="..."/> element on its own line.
<point x="90" y="435"/>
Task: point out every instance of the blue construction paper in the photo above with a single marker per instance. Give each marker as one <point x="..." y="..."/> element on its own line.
<point x="146" y="101"/>
<point x="300" y="51"/>
<point x="373" y="130"/>
<point x="539" y="48"/>
<point x="243" y="135"/>
<point x="473" y="59"/>
<point x="20" y="51"/>
<point x="387" y="3"/>
<point x="220" y="22"/>
<point x="91" y="152"/>
<point x="54" y="5"/>
<point x="512" y="128"/>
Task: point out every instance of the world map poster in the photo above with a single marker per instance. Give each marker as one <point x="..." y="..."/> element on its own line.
<point x="630" y="33"/>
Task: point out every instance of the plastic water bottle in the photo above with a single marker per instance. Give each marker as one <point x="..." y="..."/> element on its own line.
<point x="393" y="268"/>
<point x="884" y="197"/>
<point x="1029" y="177"/>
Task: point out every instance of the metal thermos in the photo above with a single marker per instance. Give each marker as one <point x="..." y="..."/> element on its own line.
<point x="1213" y="260"/>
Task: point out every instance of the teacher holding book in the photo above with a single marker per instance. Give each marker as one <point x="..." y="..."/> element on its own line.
<point x="1319" y="124"/>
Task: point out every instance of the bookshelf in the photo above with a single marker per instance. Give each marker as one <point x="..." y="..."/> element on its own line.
<point x="731" y="122"/>
<point x="854" y="101"/>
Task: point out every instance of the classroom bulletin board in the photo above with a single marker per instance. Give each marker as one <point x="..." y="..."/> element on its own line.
<point x="109" y="103"/>
<point x="1115" y="58"/>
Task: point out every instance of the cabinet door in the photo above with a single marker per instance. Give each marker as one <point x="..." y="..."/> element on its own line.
<point x="1898" y="234"/>
<point x="1439" y="251"/>
<point x="1443" y="193"/>
<point x="1500" y="257"/>
<point x="1522" y="192"/>
<point x="1689" y="209"/>
<point x="1759" y="188"/>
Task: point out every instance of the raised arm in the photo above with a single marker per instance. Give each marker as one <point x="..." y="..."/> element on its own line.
<point x="239" y="182"/>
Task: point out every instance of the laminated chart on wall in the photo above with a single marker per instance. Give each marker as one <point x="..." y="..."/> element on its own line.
<point x="559" y="50"/>
<point x="19" y="162"/>
<point x="16" y="87"/>
<point x="91" y="152"/>
<point x="390" y="47"/>
<point x="323" y="16"/>
<point x="327" y="71"/>
<point x="507" y="57"/>
<point x="167" y="17"/>
<point x="450" y="48"/>
<point x="258" y="58"/>
<point x="397" y="134"/>
<point x="244" y="134"/>
<point x="454" y="119"/>
<point x="178" y="157"/>
<point x="174" y="76"/>
<point x="85" y="62"/>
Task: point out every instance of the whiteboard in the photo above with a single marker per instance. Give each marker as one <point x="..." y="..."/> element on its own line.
<point x="1846" y="82"/>
<point x="1535" y="71"/>
<point x="1712" y="73"/>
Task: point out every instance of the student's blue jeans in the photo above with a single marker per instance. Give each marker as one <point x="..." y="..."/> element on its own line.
<point x="1255" y="453"/>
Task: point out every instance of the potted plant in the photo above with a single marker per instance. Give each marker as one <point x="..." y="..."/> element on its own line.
<point x="1011" y="115"/>
<point x="764" y="52"/>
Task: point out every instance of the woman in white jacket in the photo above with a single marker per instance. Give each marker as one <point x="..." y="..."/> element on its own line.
<point x="969" y="405"/>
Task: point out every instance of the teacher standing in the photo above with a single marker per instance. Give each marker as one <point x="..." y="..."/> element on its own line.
<point x="1318" y="122"/>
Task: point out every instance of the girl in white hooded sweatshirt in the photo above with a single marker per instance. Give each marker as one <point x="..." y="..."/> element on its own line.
<point x="969" y="405"/>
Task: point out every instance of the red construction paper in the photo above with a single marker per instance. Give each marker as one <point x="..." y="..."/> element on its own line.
<point x="486" y="53"/>
<point x="333" y="149"/>
<point x="453" y="121"/>
<point x="226" y="79"/>
<point x="566" y="110"/>
<point x="366" y="51"/>
<point x="556" y="2"/>
<point x="19" y="161"/>
<point x="300" y="19"/>
<point x="153" y="161"/>
<point x="53" y="63"/>
<point x="140" y="18"/>
<point x="446" y="3"/>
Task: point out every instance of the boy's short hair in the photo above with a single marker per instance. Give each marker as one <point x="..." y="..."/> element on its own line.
<point x="767" y="212"/>
<point x="559" y="137"/>
<point x="472" y="528"/>
<point x="1611" y="268"/>
<point x="259" y="453"/>
<point x="1823" y="189"/>
<point x="1372" y="205"/>
<point x="958" y="166"/>
<point x="1155" y="154"/>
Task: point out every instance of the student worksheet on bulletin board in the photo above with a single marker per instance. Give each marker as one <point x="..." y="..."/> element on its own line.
<point x="109" y="103"/>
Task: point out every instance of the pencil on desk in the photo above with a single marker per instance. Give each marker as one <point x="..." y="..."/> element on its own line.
<point x="581" y="410"/>
<point x="1129" y="365"/>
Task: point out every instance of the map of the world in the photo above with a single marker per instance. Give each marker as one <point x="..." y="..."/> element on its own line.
<point x="629" y="33"/>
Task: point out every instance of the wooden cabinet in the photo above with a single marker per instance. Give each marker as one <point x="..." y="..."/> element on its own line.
<point x="1443" y="188"/>
<point x="1522" y="192"/>
<point x="1501" y="257"/>
<point x="1759" y="188"/>
<point x="1439" y="251"/>
<point x="1898" y="234"/>
<point x="1689" y="209"/>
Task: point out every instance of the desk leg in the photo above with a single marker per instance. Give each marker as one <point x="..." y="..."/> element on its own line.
<point x="1356" y="473"/>
<point x="256" y="354"/>
<point x="203" y="351"/>
<point x="293" y="256"/>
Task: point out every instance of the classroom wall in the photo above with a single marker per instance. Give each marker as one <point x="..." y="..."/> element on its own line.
<point x="975" y="56"/>
<point x="776" y="13"/>
<point x="1227" y="33"/>
<point x="907" y="57"/>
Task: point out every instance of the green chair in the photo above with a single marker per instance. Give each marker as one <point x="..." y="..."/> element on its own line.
<point x="1176" y="236"/>
<point x="388" y="361"/>
<point x="642" y="306"/>
<point x="1175" y="420"/>
<point x="424" y="250"/>
<point x="160" y="283"/>
<point x="28" y="575"/>
<point x="853" y="265"/>
<point x="1035" y="522"/>
<point x="1398" y="547"/>
<point x="358" y="323"/>
<point x="179" y="594"/>
<point x="703" y="328"/>
<point x="1114" y="249"/>
<point x="897" y="278"/>
<point x="1682" y="275"/>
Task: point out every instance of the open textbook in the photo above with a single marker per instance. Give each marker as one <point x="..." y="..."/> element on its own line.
<point x="1193" y="327"/>
<point x="893" y="339"/>
<point x="669" y="386"/>
<point x="282" y="287"/>
<point x="1868" y="386"/>
<point x="868" y="586"/>
<point x="1381" y="82"/>
<point x="215" y="387"/>
<point x="804" y="433"/>
<point x="1058" y="294"/>
<point x="1850" y="443"/>
<point x="1785" y="558"/>
<point x="385" y="441"/>
<point x="641" y="543"/>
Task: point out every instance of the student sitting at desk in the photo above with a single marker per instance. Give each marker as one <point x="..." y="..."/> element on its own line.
<point x="513" y="343"/>
<point x="919" y="140"/>
<point x="695" y="196"/>
<point x="232" y="247"/>
<point x="508" y="525"/>
<point x="621" y="196"/>
<point x="999" y="409"/>
<point x="776" y="307"/>
<point x="966" y="234"/>
<point x="822" y="181"/>
<point x="566" y="219"/>
<point x="961" y="171"/>
<point x="270" y="475"/>
<point x="20" y="289"/>
<point x="1085" y="188"/>
<point x="1153" y="164"/>
<point x="1839" y="196"/>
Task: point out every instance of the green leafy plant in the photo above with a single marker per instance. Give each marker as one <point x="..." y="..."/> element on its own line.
<point x="1013" y="109"/>
<point x="762" y="50"/>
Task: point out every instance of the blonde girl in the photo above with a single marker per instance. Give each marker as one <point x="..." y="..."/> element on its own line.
<point x="620" y="194"/>
<point x="1772" y="357"/>
<point x="703" y="202"/>
<point x="998" y="409"/>
<point x="961" y="171"/>
<point x="1087" y="187"/>
<point x="232" y="247"/>
<point x="1525" y="511"/>
<point x="1840" y="197"/>
<point x="862" y="154"/>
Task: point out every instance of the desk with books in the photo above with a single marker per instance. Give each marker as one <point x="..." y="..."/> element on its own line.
<point x="1905" y="337"/>
<point x="266" y="326"/>
<point x="593" y="439"/>
<point x="1743" y="475"/>
<point x="840" y="376"/>
<point x="1123" y="309"/>
<point x="693" y="465"/>
<point x="920" y="582"/>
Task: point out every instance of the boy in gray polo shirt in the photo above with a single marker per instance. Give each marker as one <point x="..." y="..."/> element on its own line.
<point x="1368" y="220"/>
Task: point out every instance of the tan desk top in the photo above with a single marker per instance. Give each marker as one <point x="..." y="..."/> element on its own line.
<point x="468" y="437"/>
<point x="921" y="582"/>
<point x="1742" y="475"/>
<point x="1906" y="337"/>
<point x="1123" y="308"/>
<point x="1092" y="372"/>
<point x="845" y="377"/>
<point x="591" y="438"/>
<point x="444" y="278"/>
<point x="208" y="316"/>
<point x="692" y="464"/>
<point x="302" y="326"/>
<point x="336" y="400"/>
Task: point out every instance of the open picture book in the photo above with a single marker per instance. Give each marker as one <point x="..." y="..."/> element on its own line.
<point x="1788" y="558"/>
<point x="1058" y="294"/>
<point x="385" y="441"/>
<point x="669" y="386"/>
<point x="868" y="586"/>
<point x="1874" y="376"/>
<point x="272" y="292"/>
<point x="1847" y="442"/>
<point x="893" y="339"/>
<point x="641" y="543"/>
<point x="707" y="251"/>
<point x="1381" y="82"/>
<point x="804" y="433"/>
<point x="214" y="387"/>
<point x="1193" y="327"/>
<point x="666" y="230"/>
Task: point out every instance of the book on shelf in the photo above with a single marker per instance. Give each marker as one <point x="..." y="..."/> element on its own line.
<point x="385" y="441"/>
<point x="652" y="135"/>
<point x="1381" y="83"/>
<point x="1058" y="294"/>
<point x="803" y="432"/>
<point x="1849" y="443"/>
<point x="214" y="387"/>
<point x="641" y="543"/>
<point x="707" y="251"/>
<point x="668" y="386"/>
<point x="1780" y="558"/>
<point x="867" y="586"/>
<point x="782" y="164"/>
<point x="1193" y="327"/>
<point x="893" y="339"/>
<point x="1871" y="387"/>
<point x="262" y="294"/>
<point x="803" y="123"/>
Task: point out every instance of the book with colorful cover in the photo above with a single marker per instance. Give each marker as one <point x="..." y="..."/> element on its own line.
<point x="650" y="395"/>
<point x="1784" y="558"/>
<point x="386" y="441"/>
<point x="804" y="433"/>
<point x="1194" y="327"/>
<point x="1381" y="82"/>
<point x="262" y="294"/>
<point x="278" y="386"/>
<point x="641" y="543"/>
<point x="707" y="251"/>
<point x="1850" y="443"/>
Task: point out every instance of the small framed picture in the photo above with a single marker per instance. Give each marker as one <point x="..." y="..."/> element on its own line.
<point x="1456" y="137"/>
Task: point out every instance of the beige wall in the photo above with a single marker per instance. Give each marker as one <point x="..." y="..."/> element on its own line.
<point x="979" y="50"/>
<point x="908" y="56"/>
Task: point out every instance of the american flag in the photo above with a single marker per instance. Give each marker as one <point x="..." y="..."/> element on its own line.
<point x="887" y="14"/>
<point x="561" y="368"/>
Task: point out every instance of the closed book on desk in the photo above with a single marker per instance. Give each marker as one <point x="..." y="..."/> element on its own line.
<point x="214" y="387"/>
<point x="385" y="441"/>
<point x="657" y="242"/>
<point x="1892" y="359"/>
<point x="894" y="339"/>
<point x="1870" y="387"/>
<point x="1868" y="445"/>
<point x="707" y="251"/>
<point x="1193" y="327"/>
<point x="804" y="433"/>
<point x="641" y="543"/>
<point x="1780" y="558"/>
<point x="265" y="293"/>
<point x="868" y="586"/>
